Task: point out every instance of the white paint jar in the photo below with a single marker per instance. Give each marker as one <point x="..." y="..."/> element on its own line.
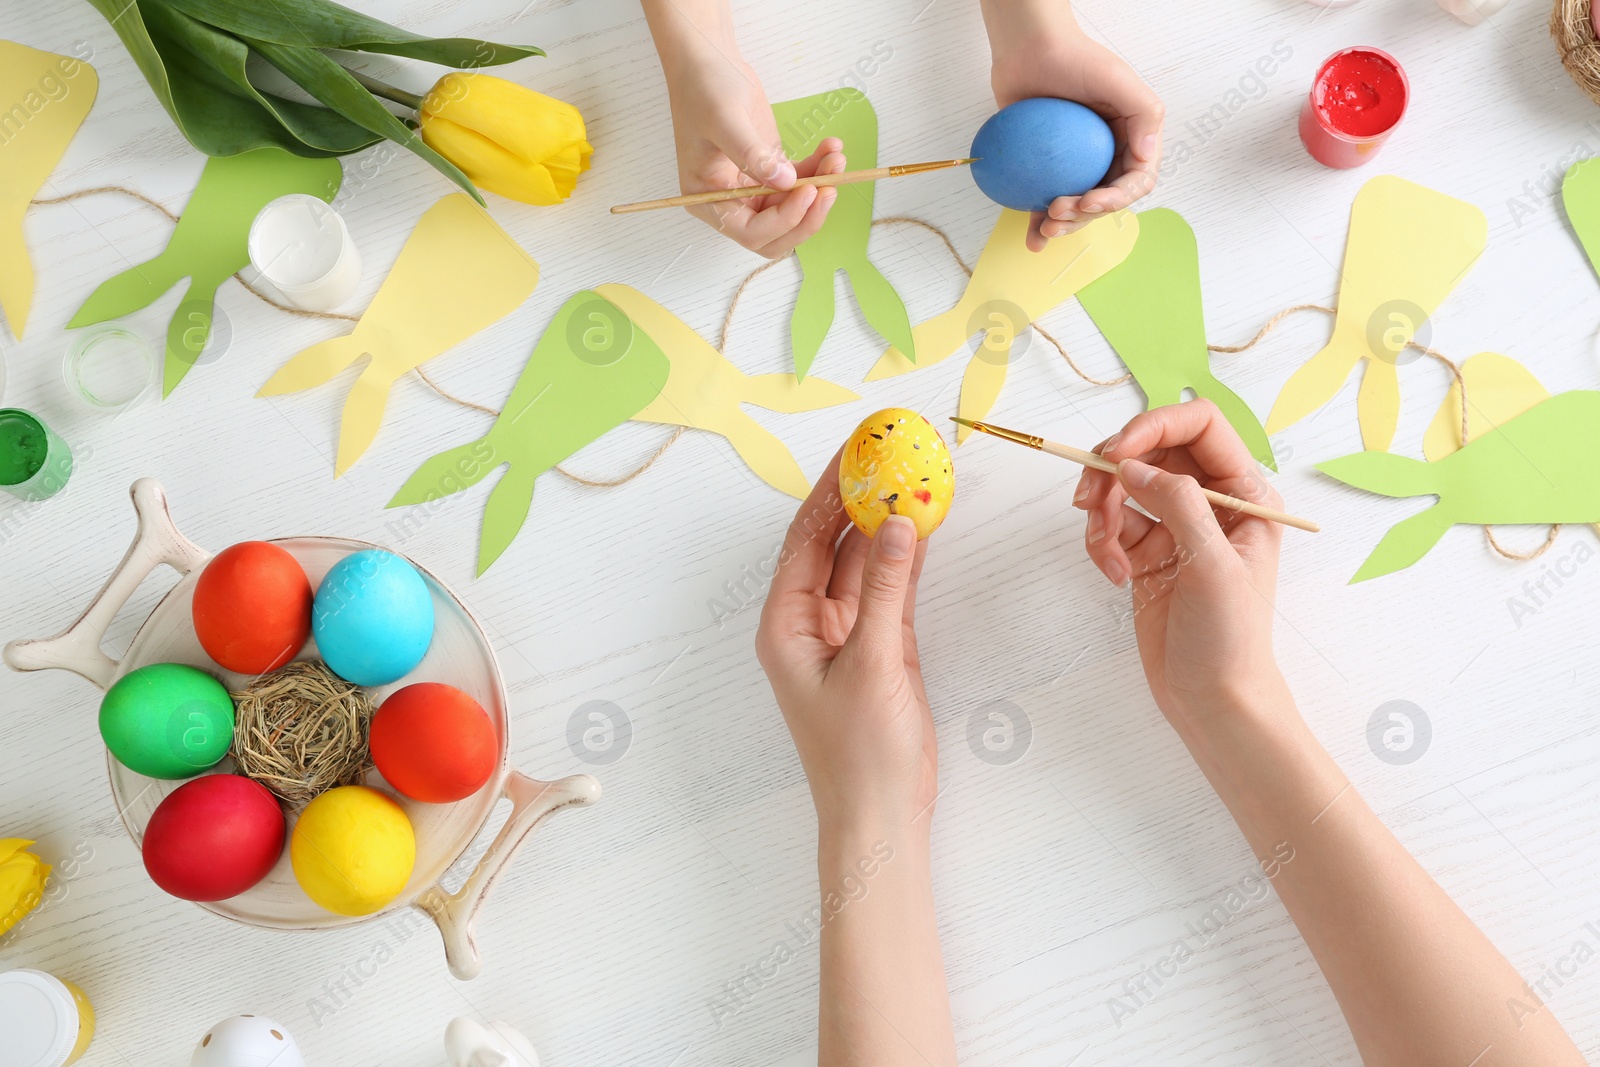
<point x="1472" y="12"/>
<point x="44" y="1021"/>
<point x="301" y="247"/>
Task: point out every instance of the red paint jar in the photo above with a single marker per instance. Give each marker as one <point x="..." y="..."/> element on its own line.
<point x="1357" y="99"/>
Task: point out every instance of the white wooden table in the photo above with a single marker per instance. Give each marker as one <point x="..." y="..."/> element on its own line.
<point x="1061" y="876"/>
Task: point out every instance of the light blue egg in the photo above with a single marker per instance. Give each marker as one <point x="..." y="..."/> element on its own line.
<point x="372" y="617"/>
<point x="1036" y="150"/>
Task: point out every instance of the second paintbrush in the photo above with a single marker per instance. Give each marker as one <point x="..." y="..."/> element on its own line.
<point x="1100" y="463"/>
<point x="849" y="177"/>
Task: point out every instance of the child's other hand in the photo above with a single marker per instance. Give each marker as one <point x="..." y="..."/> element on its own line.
<point x="726" y="136"/>
<point x="1204" y="578"/>
<point x="1061" y="61"/>
<point x="837" y="643"/>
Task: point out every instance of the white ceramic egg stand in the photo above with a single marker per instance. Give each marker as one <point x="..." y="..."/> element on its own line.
<point x="158" y="541"/>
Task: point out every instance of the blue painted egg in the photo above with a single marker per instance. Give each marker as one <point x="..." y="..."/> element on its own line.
<point x="372" y="617"/>
<point x="1036" y="150"/>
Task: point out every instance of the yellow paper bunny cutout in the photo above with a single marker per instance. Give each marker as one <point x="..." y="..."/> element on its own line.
<point x="1498" y="390"/>
<point x="1409" y="246"/>
<point x="48" y="97"/>
<point x="705" y="391"/>
<point x="458" y="273"/>
<point x="1010" y="288"/>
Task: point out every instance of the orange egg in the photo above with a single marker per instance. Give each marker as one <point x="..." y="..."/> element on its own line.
<point x="434" y="743"/>
<point x="252" y="607"/>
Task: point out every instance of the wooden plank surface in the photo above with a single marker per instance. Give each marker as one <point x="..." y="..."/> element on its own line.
<point x="1060" y="877"/>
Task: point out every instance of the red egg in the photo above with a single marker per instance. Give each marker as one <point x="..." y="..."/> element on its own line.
<point x="252" y="607"/>
<point x="434" y="743"/>
<point x="213" y="837"/>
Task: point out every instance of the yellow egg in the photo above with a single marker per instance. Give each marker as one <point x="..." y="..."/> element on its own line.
<point x="353" y="850"/>
<point x="896" y="464"/>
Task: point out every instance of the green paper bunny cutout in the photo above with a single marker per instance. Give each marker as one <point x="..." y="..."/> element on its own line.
<point x="1537" y="468"/>
<point x="841" y="244"/>
<point x="1580" y="197"/>
<point x="590" y="372"/>
<point x="1149" y="309"/>
<point x="208" y="245"/>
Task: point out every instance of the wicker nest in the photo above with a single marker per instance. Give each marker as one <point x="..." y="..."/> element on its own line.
<point x="1572" y="26"/>
<point x="302" y="730"/>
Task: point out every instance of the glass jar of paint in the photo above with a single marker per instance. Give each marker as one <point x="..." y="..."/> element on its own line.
<point x="1357" y="99"/>
<point x="302" y="248"/>
<point x="34" y="462"/>
<point x="45" y="1022"/>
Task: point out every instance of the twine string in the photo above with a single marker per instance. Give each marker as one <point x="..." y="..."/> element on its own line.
<point x="905" y="220"/>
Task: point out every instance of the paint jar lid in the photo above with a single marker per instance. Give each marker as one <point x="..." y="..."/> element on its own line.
<point x="38" y="1018"/>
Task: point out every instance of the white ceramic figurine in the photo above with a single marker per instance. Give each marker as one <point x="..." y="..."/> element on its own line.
<point x="468" y="1043"/>
<point x="247" y="1041"/>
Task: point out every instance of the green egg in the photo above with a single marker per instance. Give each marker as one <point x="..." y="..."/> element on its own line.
<point x="167" y="720"/>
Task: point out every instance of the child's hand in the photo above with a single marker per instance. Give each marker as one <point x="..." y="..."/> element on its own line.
<point x="1048" y="55"/>
<point x="1204" y="579"/>
<point x="837" y="643"/>
<point x="726" y="137"/>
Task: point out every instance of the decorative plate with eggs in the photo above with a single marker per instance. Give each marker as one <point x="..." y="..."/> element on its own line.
<point x="358" y="850"/>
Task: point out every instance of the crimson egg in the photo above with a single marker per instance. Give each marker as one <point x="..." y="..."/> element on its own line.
<point x="213" y="837"/>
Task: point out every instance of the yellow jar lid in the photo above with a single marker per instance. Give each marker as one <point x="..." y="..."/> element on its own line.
<point x="38" y="1017"/>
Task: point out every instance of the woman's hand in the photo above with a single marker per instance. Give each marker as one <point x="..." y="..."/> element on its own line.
<point x="1039" y="50"/>
<point x="1204" y="579"/>
<point x="726" y="137"/>
<point x="839" y="648"/>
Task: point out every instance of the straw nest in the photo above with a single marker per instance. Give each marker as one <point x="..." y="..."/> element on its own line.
<point x="1572" y="26"/>
<point x="302" y="730"/>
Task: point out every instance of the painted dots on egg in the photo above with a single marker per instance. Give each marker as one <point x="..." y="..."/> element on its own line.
<point x="896" y="463"/>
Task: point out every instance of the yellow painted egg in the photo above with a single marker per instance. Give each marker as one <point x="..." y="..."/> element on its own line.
<point x="353" y="850"/>
<point x="896" y="464"/>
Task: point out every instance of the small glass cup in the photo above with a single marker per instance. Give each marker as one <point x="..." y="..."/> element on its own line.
<point x="34" y="463"/>
<point x="109" y="367"/>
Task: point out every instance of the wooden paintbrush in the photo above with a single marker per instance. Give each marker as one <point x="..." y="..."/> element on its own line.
<point x="849" y="177"/>
<point x="1100" y="463"/>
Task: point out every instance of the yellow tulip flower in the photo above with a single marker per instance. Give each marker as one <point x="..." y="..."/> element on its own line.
<point x="22" y="878"/>
<point x="507" y="138"/>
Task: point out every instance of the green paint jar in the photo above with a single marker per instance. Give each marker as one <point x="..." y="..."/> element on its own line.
<point x="34" y="462"/>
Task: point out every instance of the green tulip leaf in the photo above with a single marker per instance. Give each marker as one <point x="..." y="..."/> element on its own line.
<point x="129" y="25"/>
<point x="321" y="24"/>
<point x="217" y="60"/>
<point x="334" y="86"/>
